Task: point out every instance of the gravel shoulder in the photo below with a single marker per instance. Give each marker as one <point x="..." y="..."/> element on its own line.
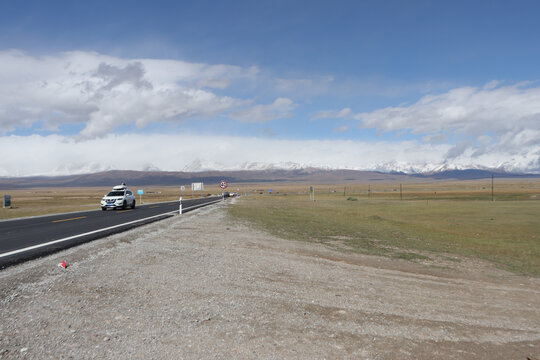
<point x="197" y="286"/>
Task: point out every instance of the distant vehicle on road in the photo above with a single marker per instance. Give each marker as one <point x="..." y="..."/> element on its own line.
<point x="120" y="197"/>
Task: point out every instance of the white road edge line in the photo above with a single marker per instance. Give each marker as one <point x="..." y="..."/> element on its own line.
<point x="200" y="205"/>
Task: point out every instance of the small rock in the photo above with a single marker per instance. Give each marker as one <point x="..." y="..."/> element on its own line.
<point x="106" y="338"/>
<point x="24" y="349"/>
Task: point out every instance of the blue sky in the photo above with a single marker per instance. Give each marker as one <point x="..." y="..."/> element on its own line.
<point x="384" y="85"/>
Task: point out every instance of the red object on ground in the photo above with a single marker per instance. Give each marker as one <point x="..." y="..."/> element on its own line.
<point x="63" y="264"/>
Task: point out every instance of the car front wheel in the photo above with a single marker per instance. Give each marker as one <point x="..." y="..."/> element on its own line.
<point x="133" y="204"/>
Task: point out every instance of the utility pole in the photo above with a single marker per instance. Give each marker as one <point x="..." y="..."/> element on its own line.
<point x="492" y="194"/>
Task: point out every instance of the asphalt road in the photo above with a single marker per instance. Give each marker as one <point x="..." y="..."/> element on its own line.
<point x="24" y="239"/>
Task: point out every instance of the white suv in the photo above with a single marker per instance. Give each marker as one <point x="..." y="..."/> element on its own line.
<point x="118" y="197"/>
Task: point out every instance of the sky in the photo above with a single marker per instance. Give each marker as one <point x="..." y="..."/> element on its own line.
<point x="412" y="86"/>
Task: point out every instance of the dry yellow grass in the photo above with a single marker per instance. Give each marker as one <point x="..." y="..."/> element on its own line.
<point x="442" y="218"/>
<point x="40" y="201"/>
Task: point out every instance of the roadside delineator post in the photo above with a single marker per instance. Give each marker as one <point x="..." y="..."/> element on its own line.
<point x="180" y="206"/>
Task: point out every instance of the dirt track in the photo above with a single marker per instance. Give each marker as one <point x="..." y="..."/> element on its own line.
<point x="197" y="287"/>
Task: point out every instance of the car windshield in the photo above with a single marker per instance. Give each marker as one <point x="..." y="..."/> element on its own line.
<point x="116" y="193"/>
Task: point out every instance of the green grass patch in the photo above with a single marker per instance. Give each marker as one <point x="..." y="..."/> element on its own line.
<point x="504" y="232"/>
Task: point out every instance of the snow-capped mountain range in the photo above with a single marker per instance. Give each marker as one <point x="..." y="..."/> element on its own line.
<point x="388" y="167"/>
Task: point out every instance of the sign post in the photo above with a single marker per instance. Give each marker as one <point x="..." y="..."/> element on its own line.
<point x="311" y="193"/>
<point x="140" y="192"/>
<point x="223" y="185"/>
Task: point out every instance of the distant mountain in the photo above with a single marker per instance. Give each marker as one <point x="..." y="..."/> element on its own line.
<point x="315" y="175"/>
<point x="472" y="174"/>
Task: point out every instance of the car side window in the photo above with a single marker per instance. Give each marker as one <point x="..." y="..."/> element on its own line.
<point x="129" y="192"/>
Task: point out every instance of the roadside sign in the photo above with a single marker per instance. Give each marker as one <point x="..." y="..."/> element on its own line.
<point x="197" y="186"/>
<point x="140" y="192"/>
<point x="223" y="184"/>
<point x="270" y="191"/>
<point x="182" y="188"/>
<point x="7" y="201"/>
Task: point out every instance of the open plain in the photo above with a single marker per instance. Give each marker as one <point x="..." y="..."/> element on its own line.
<point x="204" y="285"/>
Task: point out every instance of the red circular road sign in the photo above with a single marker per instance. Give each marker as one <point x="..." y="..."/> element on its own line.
<point x="223" y="184"/>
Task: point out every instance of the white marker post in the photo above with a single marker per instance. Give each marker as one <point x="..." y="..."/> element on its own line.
<point x="180" y="206"/>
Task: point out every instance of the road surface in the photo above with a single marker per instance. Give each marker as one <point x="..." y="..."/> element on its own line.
<point x="23" y="239"/>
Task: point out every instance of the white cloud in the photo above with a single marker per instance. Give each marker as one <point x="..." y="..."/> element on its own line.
<point x="490" y="119"/>
<point x="303" y="87"/>
<point x="103" y="92"/>
<point x="58" y="155"/>
<point x="280" y="108"/>
<point x="329" y="114"/>
<point x="434" y="138"/>
<point x="494" y="125"/>
<point x="341" y="129"/>
<point x="466" y="110"/>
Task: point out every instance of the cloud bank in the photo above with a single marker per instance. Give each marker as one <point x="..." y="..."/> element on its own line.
<point x="503" y="119"/>
<point x="102" y="93"/>
<point x="59" y="155"/>
<point x="281" y="108"/>
<point x="494" y="119"/>
<point x="99" y="95"/>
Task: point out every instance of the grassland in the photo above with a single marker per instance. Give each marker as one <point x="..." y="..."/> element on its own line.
<point x="450" y="219"/>
<point x="444" y="219"/>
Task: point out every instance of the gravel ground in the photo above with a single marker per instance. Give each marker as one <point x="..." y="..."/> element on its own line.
<point x="197" y="286"/>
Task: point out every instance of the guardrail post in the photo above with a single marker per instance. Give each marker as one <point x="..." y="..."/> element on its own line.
<point x="180" y="206"/>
